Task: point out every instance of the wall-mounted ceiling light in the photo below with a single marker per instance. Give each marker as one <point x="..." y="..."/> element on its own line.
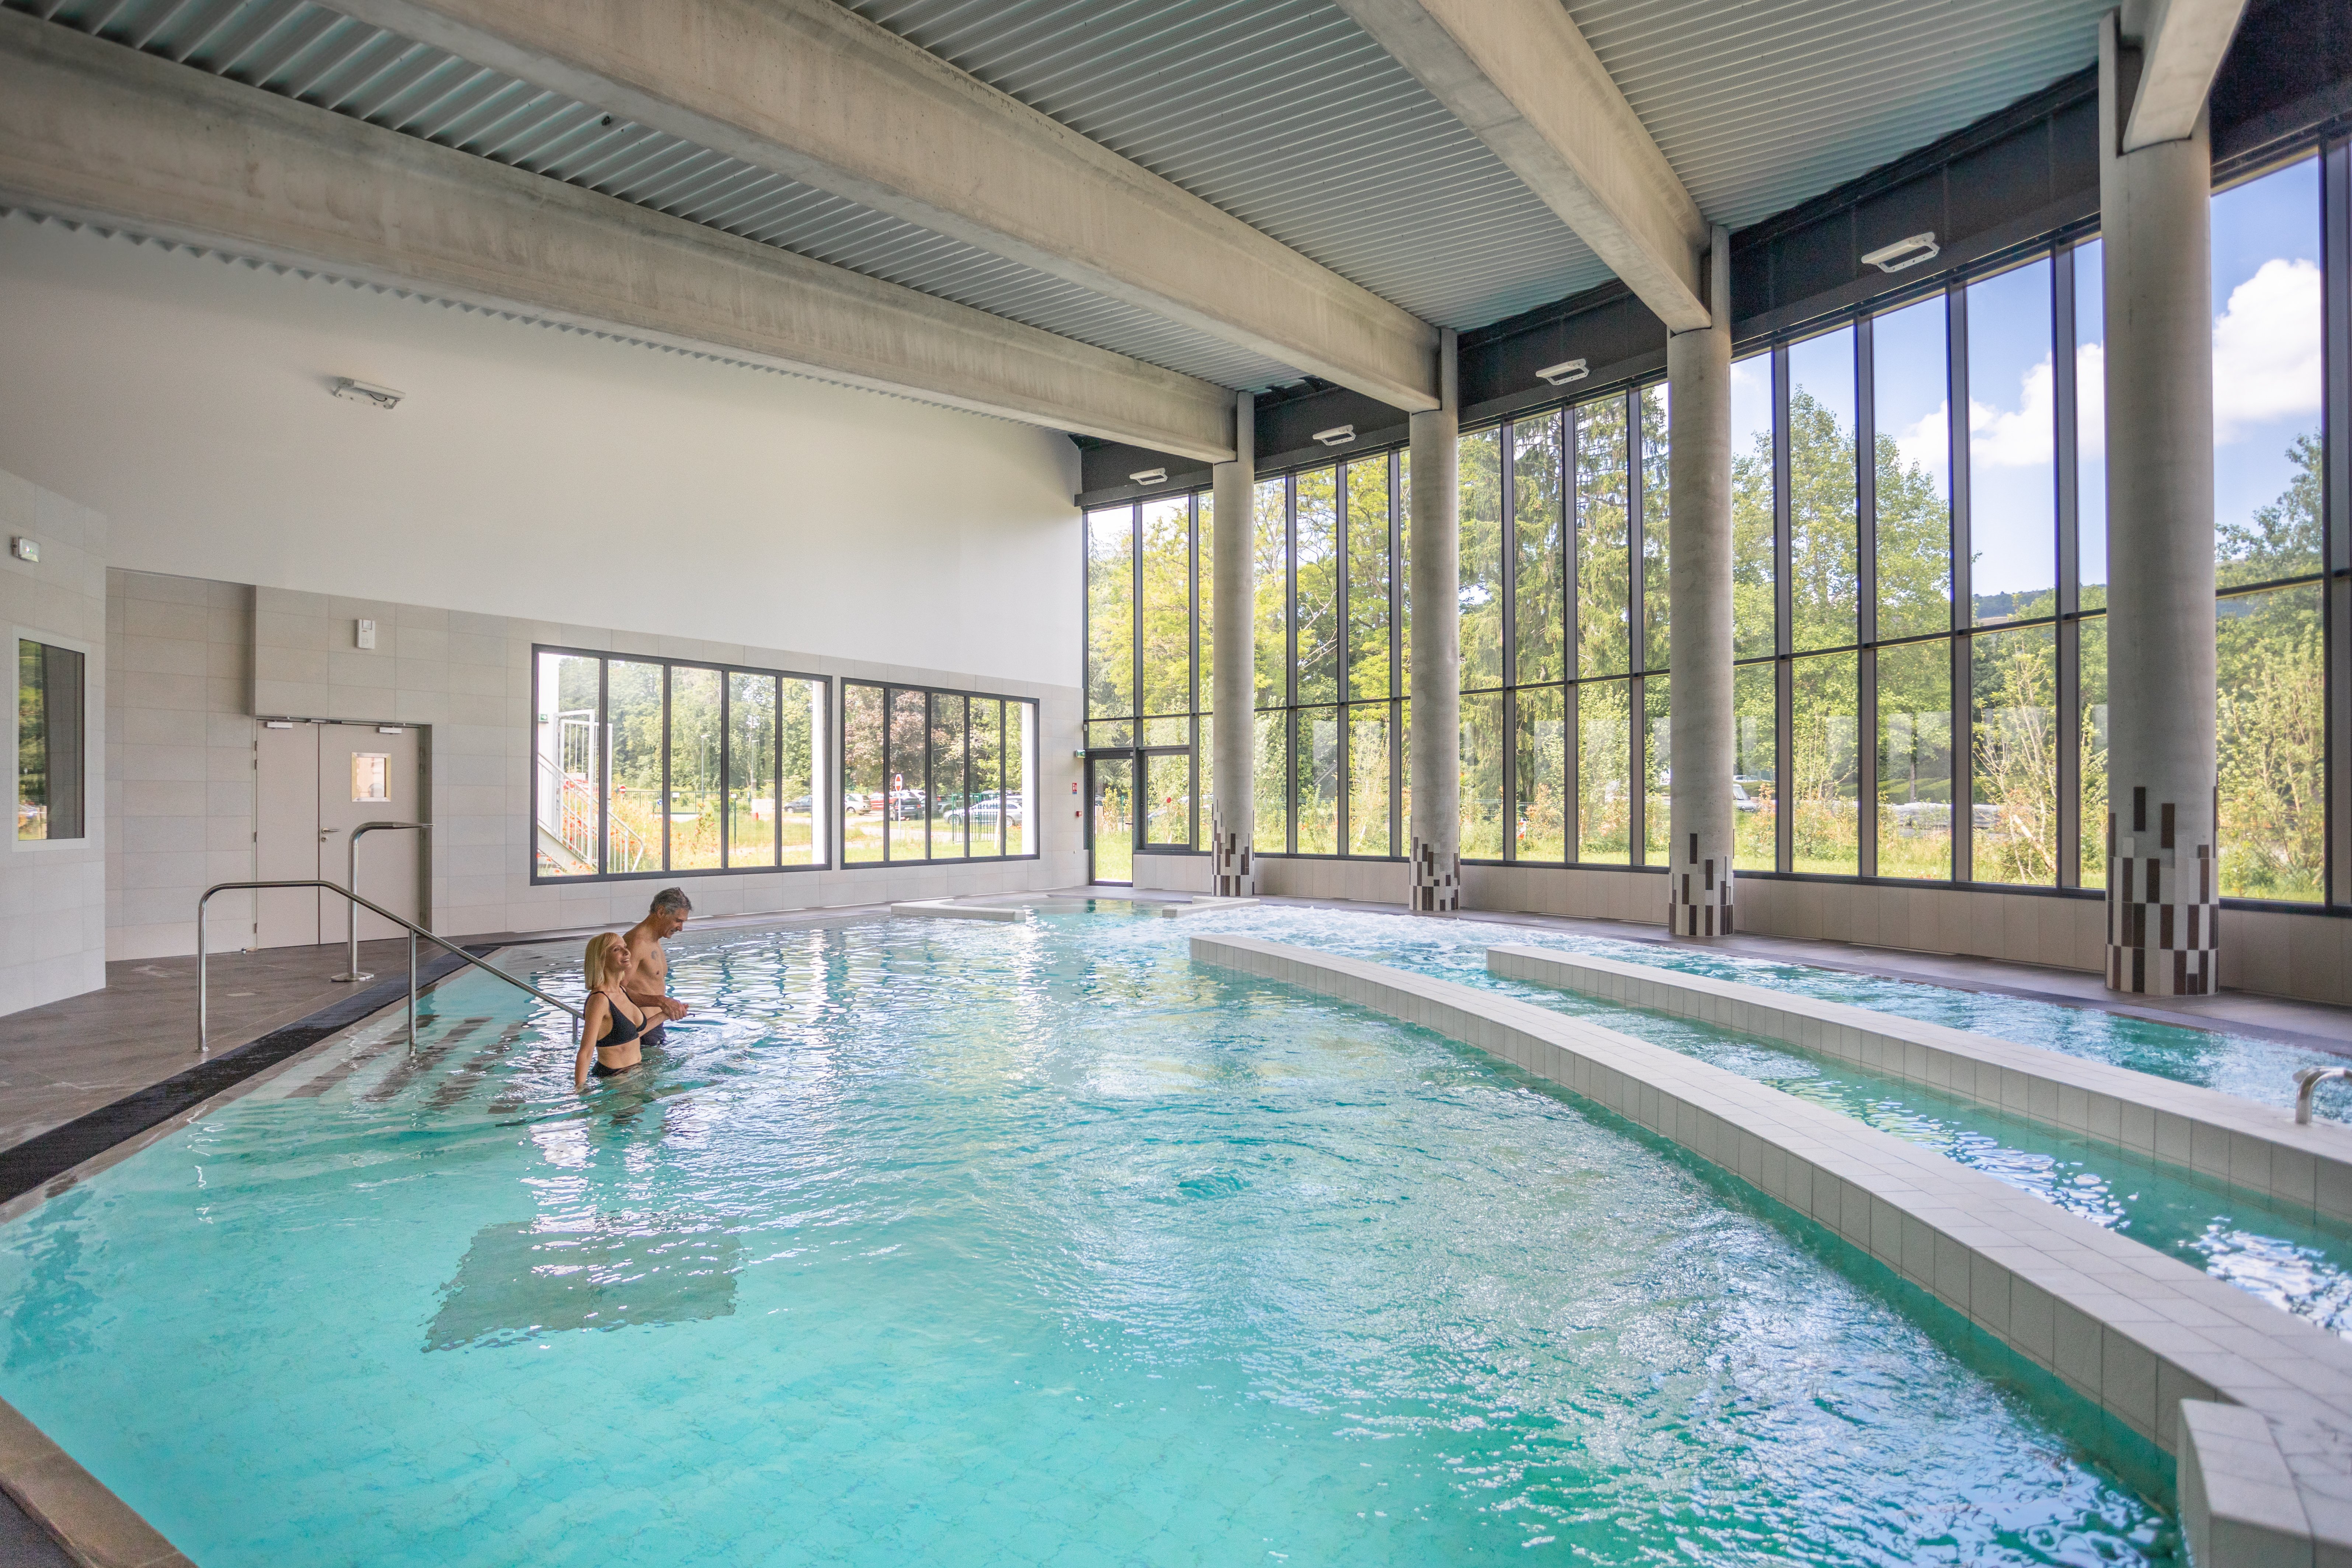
<point x="1902" y="253"/>
<point x="1149" y="476"/>
<point x="1338" y="436"/>
<point x="366" y="392"/>
<point x="1567" y="371"/>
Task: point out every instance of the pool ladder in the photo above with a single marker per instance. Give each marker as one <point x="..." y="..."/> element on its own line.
<point x="204" y="994"/>
<point x="2307" y="1080"/>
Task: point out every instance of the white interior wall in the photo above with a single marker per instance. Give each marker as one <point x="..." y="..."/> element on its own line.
<point x="530" y="472"/>
<point x="53" y="894"/>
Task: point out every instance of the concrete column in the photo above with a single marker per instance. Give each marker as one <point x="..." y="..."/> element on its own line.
<point x="1434" y="565"/>
<point x="1233" y="595"/>
<point x="2162" y="806"/>
<point x="1698" y="600"/>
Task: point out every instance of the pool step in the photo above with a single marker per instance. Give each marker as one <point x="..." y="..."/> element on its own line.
<point x="2251" y="1146"/>
<point x="948" y="909"/>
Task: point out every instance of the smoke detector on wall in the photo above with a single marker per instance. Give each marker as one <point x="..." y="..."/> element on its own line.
<point x="367" y="393"/>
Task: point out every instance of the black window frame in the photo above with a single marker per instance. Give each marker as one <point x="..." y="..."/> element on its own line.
<point x="1007" y="742"/>
<point x="826" y="807"/>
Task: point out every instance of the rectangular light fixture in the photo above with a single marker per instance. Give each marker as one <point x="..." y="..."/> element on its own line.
<point x="1149" y="476"/>
<point x="1902" y="253"/>
<point x="1567" y="371"/>
<point x="367" y="393"/>
<point x="1338" y="436"/>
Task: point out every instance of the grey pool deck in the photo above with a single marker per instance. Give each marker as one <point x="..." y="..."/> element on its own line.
<point x="2254" y="1147"/>
<point x="2140" y="1334"/>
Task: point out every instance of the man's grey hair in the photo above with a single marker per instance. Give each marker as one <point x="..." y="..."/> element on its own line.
<point x="672" y="901"/>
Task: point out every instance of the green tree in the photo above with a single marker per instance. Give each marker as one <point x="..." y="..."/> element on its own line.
<point x="2270" y="669"/>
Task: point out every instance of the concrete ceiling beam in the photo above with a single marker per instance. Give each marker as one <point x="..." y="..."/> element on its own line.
<point x="99" y="133"/>
<point x="2181" y="43"/>
<point x="814" y="91"/>
<point x="1521" y="76"/>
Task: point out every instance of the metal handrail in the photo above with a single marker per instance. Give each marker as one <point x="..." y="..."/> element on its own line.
<point x="351" y="971"/>
<point x="2306" y="1081"/>
<point x="204" y="991"/>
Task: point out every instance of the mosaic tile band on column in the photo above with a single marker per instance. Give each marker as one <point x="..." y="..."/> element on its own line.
<point x="2164" y="920"/>
<point x="1436" y="880"/>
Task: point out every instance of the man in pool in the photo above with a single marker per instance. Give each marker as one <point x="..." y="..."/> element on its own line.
<point x="649" y="974"/>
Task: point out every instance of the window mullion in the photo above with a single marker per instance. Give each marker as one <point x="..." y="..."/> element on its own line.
<point x="1866" y="494"/>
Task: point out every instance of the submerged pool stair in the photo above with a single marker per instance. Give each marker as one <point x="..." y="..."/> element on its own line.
<point x="2255" y="1148"/>
<point x="2254" y="1405"/>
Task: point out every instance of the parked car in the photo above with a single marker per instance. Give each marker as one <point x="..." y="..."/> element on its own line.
<point x="989" y="807"/>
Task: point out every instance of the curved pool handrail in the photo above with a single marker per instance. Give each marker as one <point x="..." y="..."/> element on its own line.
<point x="2306" y="1082"/>
<point x="351" y="881"/>
<point x="203" y="1033"/>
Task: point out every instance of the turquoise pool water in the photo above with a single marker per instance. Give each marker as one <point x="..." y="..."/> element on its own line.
<point x="993" y="1245"/>
<point x="2286" y="1256"/>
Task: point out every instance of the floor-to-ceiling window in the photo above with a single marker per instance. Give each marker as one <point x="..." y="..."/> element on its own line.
<point x="1565" y="701"/>
<point x="1927" y="590"/>
<point x="1148" y="641"/>
<point x="1329" y="548"/>
<point x="1919" y="570"/>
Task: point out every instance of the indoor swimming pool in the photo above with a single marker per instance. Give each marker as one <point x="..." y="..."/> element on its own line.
<point x="928" y="1240"/>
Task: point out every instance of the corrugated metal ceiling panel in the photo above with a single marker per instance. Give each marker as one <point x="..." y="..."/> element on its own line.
<point x="306" y="52"/>
<point x="1280" y="111"/>
<point x="1761" y="105"/>
<point x="1287" y="115"/>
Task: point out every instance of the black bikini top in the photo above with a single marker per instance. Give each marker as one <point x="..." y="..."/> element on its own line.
<point x="620" y="1031"/>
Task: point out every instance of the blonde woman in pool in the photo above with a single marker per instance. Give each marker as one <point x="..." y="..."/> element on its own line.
<point x="613" y="1024"/>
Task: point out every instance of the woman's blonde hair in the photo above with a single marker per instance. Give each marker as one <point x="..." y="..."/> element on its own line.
<point x="601" y="962"/>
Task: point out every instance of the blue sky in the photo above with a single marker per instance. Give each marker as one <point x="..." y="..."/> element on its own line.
<point x="2266" y="373"/>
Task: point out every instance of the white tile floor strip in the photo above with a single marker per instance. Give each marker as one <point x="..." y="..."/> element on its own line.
<point x="2254" y="1148"/>
<point x="2133" y="1331"/>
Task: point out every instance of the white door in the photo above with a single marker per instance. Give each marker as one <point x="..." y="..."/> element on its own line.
<point x="367" y="775"/>
<point x="316" y="783"/>
<point x="286" y="837"/>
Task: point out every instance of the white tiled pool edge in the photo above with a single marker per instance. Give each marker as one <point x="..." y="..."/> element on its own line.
<point x="2255" y="1148"/>
<point x="2140" y="1334"/>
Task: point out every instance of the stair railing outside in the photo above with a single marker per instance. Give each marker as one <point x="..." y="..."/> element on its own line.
<point x="351" y="971"/>
<point x="203" y="990"/>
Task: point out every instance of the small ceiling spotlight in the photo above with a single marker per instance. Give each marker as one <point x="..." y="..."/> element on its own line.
<point x="366" y="392"/>
<point x="1902" y="253"/>
<point x="1149" y="476"/>
<point x="1567" y="371"/>
<point x="1338" y="436"/>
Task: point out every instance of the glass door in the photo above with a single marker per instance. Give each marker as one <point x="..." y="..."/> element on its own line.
<point x="1111" y="818"/>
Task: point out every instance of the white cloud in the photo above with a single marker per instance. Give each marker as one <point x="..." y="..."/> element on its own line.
<point x="2266" y="349"/>
<point x="2018" y="437"/>
<point x="1928" y="444"/>
<point x="2023" y="436"/>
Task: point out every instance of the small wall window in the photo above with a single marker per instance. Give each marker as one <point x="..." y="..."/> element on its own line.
<point x="370" y="776"/>
<point x="49" y="741"/>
